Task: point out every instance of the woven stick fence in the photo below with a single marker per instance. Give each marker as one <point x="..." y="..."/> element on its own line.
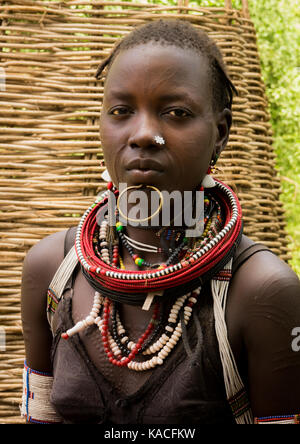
<point x="50" y="151"/>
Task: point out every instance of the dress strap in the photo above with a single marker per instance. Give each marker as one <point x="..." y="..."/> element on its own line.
<point x="69" y="243"/>
<point x="235" y="390"/>
<point x="246" y="254"/>
<point x="61" y="279"/>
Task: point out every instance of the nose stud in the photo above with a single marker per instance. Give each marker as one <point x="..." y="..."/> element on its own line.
<point x="159" y="140"/>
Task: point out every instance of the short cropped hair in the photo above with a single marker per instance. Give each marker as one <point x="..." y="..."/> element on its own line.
<point x="181" y="34"/>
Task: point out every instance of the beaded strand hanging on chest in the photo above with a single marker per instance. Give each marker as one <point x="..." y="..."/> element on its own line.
<point x="210" y="259"/>
<point x="122" y="352"/>
<point x="132" y="286"/>
<point x="101" y="261"/>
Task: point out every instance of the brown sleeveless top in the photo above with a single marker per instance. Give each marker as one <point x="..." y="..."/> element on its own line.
<point x="187" y="389"/>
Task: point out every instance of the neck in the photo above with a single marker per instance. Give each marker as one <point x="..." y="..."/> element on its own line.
<point x="168" y="240"/>
<point x="153" y="237"/>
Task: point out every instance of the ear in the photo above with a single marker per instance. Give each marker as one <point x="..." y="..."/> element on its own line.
<point x="224" y="121"/>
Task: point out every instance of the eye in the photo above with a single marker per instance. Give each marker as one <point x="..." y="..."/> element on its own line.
<point x="178" y="113"/>
<point x="119" y="111"/>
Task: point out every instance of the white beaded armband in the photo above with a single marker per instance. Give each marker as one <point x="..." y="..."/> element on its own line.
<point x="283" y="419"/>
<point x="36" y="406"/>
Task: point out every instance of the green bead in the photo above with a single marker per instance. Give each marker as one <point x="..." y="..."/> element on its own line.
<point x="139" y="261"/>
<point x="119" y="226"/>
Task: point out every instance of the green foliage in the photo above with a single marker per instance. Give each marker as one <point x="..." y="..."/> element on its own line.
<point x="277" y="27"/>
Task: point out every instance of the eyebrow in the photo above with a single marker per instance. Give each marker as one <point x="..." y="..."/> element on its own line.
<point x="119" y="94"/>
<point x="178" y="96"/>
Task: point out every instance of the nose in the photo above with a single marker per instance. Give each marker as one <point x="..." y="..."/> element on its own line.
<point x="145" y="131"/>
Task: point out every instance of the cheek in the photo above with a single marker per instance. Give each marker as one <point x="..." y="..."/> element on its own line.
<point x="107" y="145"/>
<point x="110" y="140"/>
<point x="105" y="133"/>
<point x="194" y="151"/>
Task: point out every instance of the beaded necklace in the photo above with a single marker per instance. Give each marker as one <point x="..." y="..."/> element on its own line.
<point x="173" y="253"/>
<point x="212" y="219"/>
<point x="113" y="343"/>
<point x="141" y="262"/>
<point x="120" y="350"/>
<point x="210" y="259"/>
<point x="123" y="341"/>
<point x="200" y="262"/>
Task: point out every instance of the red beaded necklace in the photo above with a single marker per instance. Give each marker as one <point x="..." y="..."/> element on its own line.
<point x="118" y="359"/>
<point x="111" y="281"/>
<point x="105" y="274"/>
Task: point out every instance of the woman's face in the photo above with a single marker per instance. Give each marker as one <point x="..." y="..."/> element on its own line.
<point x="153" y="90"/>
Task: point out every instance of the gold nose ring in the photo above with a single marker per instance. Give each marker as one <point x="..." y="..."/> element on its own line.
<point x="161" y="201"/>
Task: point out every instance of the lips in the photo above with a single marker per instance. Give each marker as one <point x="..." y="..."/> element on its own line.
<point x="141" y="170"/>
<point x="141" y="164"/>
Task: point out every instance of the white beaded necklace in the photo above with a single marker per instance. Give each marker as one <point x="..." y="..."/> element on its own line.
<point x="161" y="348"/>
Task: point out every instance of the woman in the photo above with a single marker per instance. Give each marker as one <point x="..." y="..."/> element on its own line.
<point x="137" y="309"/>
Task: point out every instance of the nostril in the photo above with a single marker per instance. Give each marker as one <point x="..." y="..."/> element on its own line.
<point x="146" y="138"/>
<point x="143" y="144"/>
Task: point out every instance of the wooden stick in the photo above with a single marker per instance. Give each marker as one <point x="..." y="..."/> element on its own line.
<point x="245" y="8"/>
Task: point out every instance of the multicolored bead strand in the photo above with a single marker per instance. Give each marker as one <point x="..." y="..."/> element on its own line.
<point x="161" y="348"/>
<point x="197" y="263"/>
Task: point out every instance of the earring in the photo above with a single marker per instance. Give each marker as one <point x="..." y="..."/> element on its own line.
<point x="105" y="176"/>
<point x="208" y="181"/>
<point x="214" y="161"/>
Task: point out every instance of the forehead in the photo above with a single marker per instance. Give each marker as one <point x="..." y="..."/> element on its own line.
<point x="151" y="66"/>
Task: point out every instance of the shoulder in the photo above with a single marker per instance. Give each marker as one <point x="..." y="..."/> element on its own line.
<point x="45" y="256"/>
<point x="39" y="267"/>
<point x="262" y="274"/>
<point x="262" y="313"/>
<point x="264" y="292"/>
<point x="263" y="287"/>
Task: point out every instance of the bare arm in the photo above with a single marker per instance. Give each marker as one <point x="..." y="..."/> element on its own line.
<point x="265" y="310"/>
<point x="39" y="267"/>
